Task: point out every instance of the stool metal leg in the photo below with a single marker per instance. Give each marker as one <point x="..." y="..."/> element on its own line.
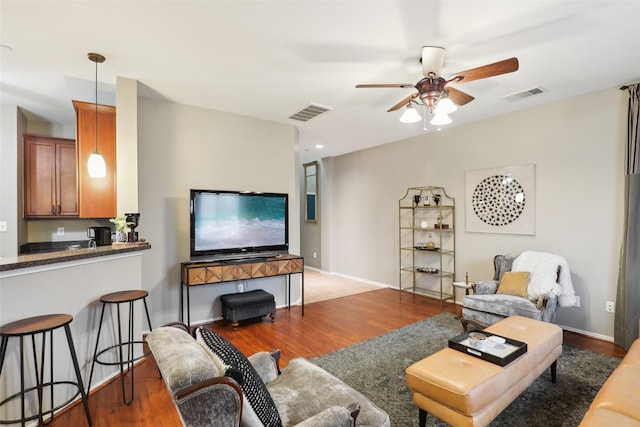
<point x="72" y="349"/>
<point x="146" y="310"/>
<point x="40" y="372"/>
<point x="95" y="350"/>
<point x="129" y="361"/>
<point x="22" y="405"/>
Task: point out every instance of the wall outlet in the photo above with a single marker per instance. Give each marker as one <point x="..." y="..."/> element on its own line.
<point x="315" y="255"/>
<point x="577" y="304"/>
<point x="3" y="226"/>
<point x="60" y="231"/>
<point x="610" y="307"/>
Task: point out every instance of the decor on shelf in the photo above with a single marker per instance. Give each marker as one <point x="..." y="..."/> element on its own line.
<point x="430" y="244"/>
<point x="501" y="200"/>
<point x="96" y="165"/>
<point x="133" y="220"/>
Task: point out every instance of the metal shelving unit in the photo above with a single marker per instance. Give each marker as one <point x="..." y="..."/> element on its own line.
<point x="427" y="215"/>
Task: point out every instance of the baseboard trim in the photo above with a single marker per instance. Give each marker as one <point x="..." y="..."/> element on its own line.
<point x="588" y="334"/>
<point x="346" y="276"/>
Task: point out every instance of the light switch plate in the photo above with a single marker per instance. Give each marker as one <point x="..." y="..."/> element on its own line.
<point x="3" y="226"/>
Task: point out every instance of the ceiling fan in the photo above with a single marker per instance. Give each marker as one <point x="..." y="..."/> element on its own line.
<point x="434" y="89"/>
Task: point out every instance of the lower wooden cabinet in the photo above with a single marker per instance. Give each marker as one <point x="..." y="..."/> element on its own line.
<point x="50" y="180"/>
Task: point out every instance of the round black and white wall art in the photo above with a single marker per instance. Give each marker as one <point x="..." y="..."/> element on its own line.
<point x="498" y="200"/>
<point x="501" y="200"/>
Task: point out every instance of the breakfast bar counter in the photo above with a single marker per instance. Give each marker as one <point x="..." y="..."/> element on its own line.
<point x="42" y="259"/>
<point x="68" y="282"/>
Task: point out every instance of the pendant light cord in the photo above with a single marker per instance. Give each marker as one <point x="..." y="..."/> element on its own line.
<point x="96" y="107"/>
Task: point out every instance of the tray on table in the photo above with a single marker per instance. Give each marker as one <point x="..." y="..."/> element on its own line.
<point x="500" y="354"/>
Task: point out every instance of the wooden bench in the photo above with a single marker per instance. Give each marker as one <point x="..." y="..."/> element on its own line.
<point x="247" y="305"/>
<point x="463" y="390"/>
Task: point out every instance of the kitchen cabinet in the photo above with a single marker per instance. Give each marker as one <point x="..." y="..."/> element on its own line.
<point x="96" y="196"/>
<point x="50" y="183"/>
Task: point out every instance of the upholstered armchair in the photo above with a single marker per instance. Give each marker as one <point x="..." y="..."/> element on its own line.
<point x="531" y="284"/>
<point x="213" y="384"/>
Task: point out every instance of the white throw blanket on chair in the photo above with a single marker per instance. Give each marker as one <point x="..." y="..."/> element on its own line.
<point x="543" y="267"/>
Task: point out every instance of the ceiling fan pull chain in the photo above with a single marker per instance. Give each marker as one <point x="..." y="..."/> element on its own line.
<point x="424" y="117"/>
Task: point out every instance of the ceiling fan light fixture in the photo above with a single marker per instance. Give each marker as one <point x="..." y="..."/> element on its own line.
<point x="440" y="119"/>
<point x="445" y="106"/>
<point x="410" y="115"/>
<point x="432" y="60"/>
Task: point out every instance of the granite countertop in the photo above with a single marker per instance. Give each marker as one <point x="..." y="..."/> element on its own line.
<point x="40" y="259"/>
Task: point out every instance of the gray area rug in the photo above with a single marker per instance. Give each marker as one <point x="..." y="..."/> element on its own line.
<point x="376" y="368"/>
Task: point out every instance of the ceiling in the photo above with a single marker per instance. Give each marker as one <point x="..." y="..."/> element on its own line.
<point x="269" y="59"/>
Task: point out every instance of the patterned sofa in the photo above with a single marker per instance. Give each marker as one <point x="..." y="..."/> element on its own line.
<point x="214" y="384"/>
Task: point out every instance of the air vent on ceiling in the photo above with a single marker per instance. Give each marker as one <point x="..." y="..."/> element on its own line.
<point x="524" y="94"/>
<point x="309" y="112"/>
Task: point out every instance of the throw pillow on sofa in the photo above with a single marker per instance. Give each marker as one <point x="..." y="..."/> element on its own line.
<point x="260" y="407"/>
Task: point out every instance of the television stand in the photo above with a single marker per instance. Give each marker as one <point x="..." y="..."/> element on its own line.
<point x="196" y="273"/>
<point x="244" y="260"/>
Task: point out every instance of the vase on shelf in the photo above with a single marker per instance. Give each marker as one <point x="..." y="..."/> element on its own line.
<point x="121" y="236"/>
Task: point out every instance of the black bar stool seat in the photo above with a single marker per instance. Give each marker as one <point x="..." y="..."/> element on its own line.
<point x="117" y="298"/>
<point x="31" y="327"/>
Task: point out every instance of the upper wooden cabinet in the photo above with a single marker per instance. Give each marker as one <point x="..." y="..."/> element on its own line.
<point x="50" y="183"/>
<point x="96" y="196"/>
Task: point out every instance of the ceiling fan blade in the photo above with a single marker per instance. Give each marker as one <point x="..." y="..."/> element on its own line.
<point x="458" y="97"/>
<point x="405" y="85"/>
<point x="404" y="102"/>
<point x="501" y="67"/>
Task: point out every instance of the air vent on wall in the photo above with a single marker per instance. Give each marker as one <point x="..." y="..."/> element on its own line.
<point x="524" y="94"/>
<point x="308" y="113"/>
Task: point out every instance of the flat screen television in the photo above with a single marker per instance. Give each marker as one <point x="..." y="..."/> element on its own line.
<point x="235" y="224"/>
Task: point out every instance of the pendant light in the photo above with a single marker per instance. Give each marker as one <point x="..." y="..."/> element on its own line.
<point x="96" y="166"/>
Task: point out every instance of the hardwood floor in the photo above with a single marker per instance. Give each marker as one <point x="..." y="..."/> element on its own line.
<point x="326" y="326"/>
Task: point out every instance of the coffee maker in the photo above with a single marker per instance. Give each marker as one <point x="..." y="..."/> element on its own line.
<point x="132" y="222"/>
<point x="101" y="235"/>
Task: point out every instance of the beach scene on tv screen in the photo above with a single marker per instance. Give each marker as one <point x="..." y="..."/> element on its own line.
<point x="227" y="221"/>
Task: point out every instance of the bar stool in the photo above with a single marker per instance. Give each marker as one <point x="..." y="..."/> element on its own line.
<point x="118" y="298"/>
<point x="31" y="327"/>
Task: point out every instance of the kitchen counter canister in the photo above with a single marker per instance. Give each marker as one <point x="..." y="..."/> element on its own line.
<point x="35" y="260"/>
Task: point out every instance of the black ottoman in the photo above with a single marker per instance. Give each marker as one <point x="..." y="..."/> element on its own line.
<point x="247" y="305"/>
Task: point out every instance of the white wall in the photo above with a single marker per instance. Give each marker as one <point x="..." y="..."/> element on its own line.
<point x="577" y="147"/>
<point x="182" y="147"/>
